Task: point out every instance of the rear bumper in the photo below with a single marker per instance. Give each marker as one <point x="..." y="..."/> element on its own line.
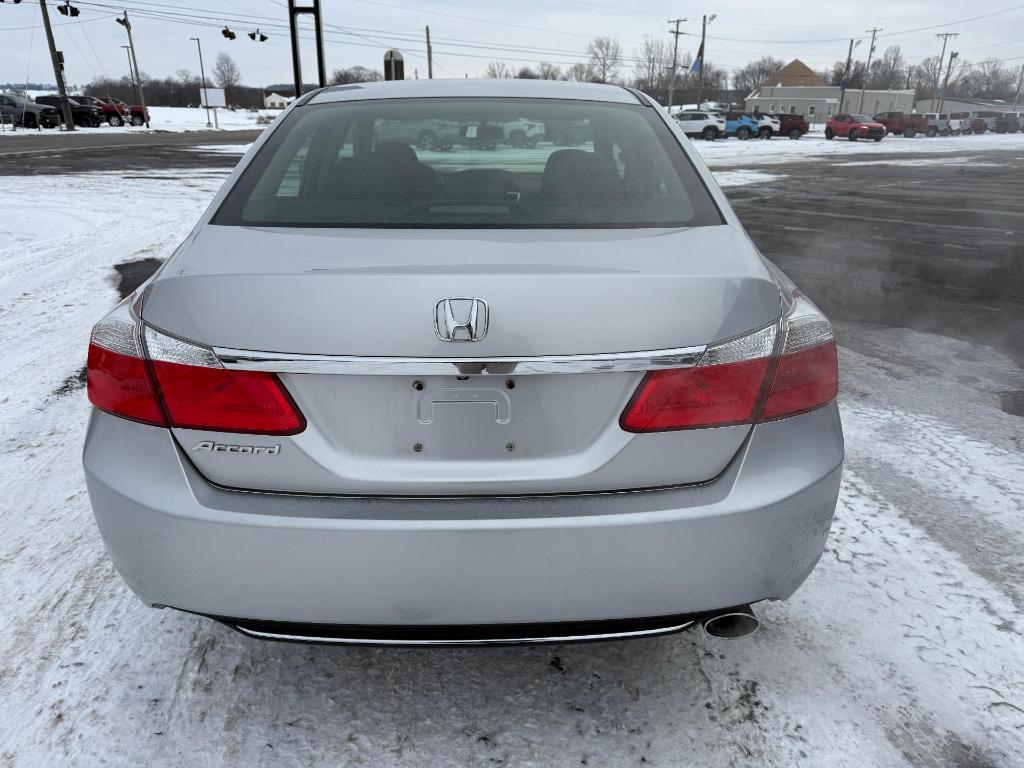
<point x="754" y="533"/>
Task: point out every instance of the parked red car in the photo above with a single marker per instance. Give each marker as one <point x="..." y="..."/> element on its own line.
<point x="793" y="126"/>
<point x="137" y="115"/>
<point x="113" y="114"/>
<point x="854" y="127"/>
<point x="902" y="124"/>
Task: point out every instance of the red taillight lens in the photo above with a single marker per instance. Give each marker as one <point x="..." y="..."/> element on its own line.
<point x="198" y="397"/>
<point x="728" y="387"/>
<point x="688" y="398"/>
<point x="803" y="381"/>
<point x="181" y="384"/>
<point x="119" y="384"/>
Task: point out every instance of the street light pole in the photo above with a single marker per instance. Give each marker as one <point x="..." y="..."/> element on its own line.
<point x="131" y="72"/>
<point x="846" y="74"/>
<point x="202" y="75"/>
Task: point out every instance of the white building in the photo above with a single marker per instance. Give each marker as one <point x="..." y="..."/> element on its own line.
<point x="797" y="89"/>
<point x="969" y="105"/>
<point x="276" y="101"/>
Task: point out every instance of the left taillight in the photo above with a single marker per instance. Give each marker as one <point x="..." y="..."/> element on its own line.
<point x="145" y="375"/>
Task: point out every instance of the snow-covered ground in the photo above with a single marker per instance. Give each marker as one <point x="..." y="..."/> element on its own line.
<point x="177" y="120"/>
<point x="904" y="648"/>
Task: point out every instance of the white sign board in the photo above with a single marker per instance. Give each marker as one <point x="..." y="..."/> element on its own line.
<point x="214" y="97"/>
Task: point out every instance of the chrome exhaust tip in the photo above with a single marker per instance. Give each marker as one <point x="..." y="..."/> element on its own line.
<point x="731" y="623"/>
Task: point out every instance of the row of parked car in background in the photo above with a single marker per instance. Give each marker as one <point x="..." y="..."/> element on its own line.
<point x="949" y="123"/>
<point x="742" y="125"/>
<point x="86" y="111"/>
<point x="747" y="125"/>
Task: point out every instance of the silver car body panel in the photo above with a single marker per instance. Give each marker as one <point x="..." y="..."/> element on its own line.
<point x="528" y="505"/>
<point x="753" y="533"/>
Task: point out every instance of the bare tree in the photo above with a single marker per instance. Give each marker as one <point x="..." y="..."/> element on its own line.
<point x="605" y="58"/>
<point x="355" y="74"/>
<point x="927" y="76"/>
<point x="498" y="70"/>
<point x="748" y="77"/>
<point x="888" y="72"/>
<point x="579" y="72"/>
<point x="546" y="71"/>
<point x="225" y="72"/>
<point x="988" y="79"/>
<point x="653" y="62"/>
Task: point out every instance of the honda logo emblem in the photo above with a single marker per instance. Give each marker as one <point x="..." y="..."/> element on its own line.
<point x="460" y="319"/>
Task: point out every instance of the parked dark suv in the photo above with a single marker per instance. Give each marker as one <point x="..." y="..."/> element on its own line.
<point x="19" y="111"/>
<point x="1008" y="123"/>
<point x="83" y="115"/>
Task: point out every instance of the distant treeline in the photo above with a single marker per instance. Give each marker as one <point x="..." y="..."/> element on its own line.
<point x="179" y="91"/>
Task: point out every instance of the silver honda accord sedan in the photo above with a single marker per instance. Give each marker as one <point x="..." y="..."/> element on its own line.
<point x="466" y="361"/>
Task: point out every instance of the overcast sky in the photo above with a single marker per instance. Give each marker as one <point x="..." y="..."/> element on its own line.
<point x="465" y="34"/>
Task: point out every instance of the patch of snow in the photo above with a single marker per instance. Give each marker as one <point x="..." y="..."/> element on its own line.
<point x="742" y="178"/>
<point x="222" y="149"/>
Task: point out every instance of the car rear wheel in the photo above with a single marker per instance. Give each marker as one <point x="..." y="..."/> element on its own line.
<point x="828" y="134"/>
<point x="137" y="121"/>
<point x="764" y="133"/>
<point x="30" y="120"/>
<point x="879" y="138"/>
<point x="710" y="133"/>
<point x="115" y="120"/>
<point x="743" y="133"/>
<point x="909" y="132"/>
<point x="932" y="132"/>
<point x="83" y="121"/>
<point x="852" y="135"/>
<point x="795" y="133"/>
<point x="517" y="138"/>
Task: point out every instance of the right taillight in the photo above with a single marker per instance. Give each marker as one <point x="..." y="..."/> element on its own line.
<point x="157" y="379"/>
<point x="757" y="377"/>
<point x="807" y="373"/>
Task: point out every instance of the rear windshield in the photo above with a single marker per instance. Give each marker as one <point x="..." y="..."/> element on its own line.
<point x="482" y="163"/>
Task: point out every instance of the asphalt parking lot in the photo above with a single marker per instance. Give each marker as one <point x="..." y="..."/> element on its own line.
<point x="904" y="648"/>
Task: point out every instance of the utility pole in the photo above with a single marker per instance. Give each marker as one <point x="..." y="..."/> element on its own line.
<point x="699" y="61"/>
<point x="867" y="69"/>
<point x="675" y="59"/>
<point x="945" y="83"/>
<point x="430" y="57"/>
<point x="846" y="74"/>
<point x="58" y="70"/>
<point x="202" y="75"/>
<point x="135" y="65"/>
<point x="942" y="57"/>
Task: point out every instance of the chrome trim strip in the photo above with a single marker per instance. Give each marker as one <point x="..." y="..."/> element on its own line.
<point x="247" y="360"/>
<point x="487" y="641"/>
